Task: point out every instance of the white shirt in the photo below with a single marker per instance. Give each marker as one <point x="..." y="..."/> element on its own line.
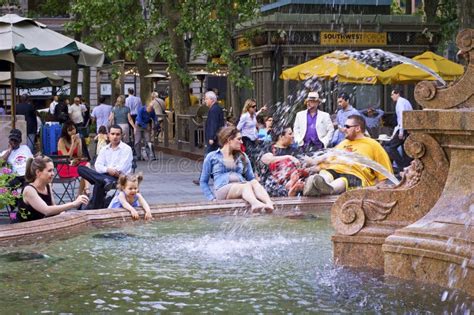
<point x="17" y="159"/>
<point x="75" y="113"/>
<point x="101" y="113"/>
<point x="52" y="107"/>
<point x="402" y="105"/>
<point x="119" y="158"/>
<point x="248" y="126"/>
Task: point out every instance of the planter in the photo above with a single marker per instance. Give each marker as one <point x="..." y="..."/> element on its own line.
<point x="278" y="40"/>
<point x="259" y="40"/>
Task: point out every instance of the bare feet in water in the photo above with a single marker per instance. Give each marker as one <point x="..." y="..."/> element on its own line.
<point x="258" y="207"/>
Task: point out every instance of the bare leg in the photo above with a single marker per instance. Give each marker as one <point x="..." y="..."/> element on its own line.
<point x="245" y="191"/>
<point x="81" y="186"/>
<point x="339" y="186"/>
<point x="84" y="186"/>
<point x="262" y="195"/>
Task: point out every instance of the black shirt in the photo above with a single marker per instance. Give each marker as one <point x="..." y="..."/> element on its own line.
<point x="28" y="110"/>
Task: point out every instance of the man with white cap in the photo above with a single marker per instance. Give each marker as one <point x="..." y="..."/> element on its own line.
<point x="313" y="128"/>
<point x="16" y="156"/>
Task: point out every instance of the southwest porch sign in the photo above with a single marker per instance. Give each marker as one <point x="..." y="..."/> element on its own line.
<point x="353" y="39"/>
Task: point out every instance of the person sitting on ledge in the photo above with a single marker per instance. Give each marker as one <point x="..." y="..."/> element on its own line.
<point x="336" y="175"/>
<point x="38" y="201"/>
<point x="113" y="160"/>
<point x="232" y="173"/>
<point x="16" y="156"/>
<point x="286" y="177"/>
<point x="129" y="196"/>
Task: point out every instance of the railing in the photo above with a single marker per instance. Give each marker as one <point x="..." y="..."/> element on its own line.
<point x="189" y="132"/>
<point x="165" y="129"/>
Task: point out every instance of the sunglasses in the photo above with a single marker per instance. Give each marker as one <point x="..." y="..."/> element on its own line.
<point x="349" y="126"/>
<point x="253" y="106"/>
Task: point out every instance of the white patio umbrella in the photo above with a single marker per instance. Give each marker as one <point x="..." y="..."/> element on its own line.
<point x="28" y="45"/>
<point x="25" y="79"/>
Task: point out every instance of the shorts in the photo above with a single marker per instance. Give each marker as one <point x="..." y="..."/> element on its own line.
<point x="352" y="181"/>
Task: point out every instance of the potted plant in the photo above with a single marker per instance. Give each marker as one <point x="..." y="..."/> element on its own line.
<point x="8" y="195"/>
<point x="256" y="36"/>
<point x="279" y="37"/>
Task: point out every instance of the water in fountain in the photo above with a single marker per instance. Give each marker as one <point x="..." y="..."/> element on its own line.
<point x="335" y="156"/>
<point x="373" y="57"/>
<point x="193" y="265"/>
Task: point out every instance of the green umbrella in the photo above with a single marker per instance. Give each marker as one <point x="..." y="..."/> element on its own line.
<point x="27" y="45"/>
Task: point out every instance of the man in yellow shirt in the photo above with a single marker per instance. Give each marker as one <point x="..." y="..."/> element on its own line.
<point x="338" y="175"/>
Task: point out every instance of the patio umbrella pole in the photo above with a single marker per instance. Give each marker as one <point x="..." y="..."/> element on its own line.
<point x="12" y="93"/>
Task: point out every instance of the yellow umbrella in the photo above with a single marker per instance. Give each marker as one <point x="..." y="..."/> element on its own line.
<point x="407" y="73"/>
<point x="334" y="65"/>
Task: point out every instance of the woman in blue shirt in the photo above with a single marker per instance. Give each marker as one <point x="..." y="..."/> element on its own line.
<point x="232" y="173"/>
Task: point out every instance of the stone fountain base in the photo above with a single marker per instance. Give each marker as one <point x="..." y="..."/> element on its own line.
<point x="422" y="229"/>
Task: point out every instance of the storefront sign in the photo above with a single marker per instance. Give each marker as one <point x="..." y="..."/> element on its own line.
<point x="353" y="39"/>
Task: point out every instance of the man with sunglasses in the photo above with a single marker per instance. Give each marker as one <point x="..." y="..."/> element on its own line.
<point x="336" y="176"/>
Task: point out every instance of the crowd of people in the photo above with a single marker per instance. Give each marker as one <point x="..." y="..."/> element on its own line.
<point x="113" y="161"/>
<point x="293" y="160"/>
<point x="254" y="159"/>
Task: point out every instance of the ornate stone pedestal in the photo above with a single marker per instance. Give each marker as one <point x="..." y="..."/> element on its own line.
<point x="439" y="248"/>
<point x="424" y="228"/>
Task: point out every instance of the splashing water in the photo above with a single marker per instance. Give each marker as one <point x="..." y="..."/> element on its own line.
<point x="373" y="55"/>
<point x="335" y="156"/>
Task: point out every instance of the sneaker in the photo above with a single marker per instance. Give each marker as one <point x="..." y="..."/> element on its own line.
<point x="196" y="182"/>
<point x="309" y="190"/>
<point x="321" y="185"/>
<point x="109" y="184"/>
<point x="316" y="186"/>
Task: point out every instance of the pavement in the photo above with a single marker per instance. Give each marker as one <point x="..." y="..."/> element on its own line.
<point x="169" y="179"/>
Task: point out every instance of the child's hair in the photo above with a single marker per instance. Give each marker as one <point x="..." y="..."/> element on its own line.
<point x="38" y="163"/>
<point x="123" y="179"/>
<point x="103" y="129"/>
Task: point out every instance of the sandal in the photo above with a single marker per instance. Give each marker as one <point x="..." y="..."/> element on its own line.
<point x="87" y="192"/>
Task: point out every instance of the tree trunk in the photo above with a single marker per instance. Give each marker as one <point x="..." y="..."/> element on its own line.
<point x="74" y="75"/>
<point x="86" y="75"/>
<point x="86" y="85"/>
<point x="143" y="70"/>
<point x="465" y="14"/>
<point x="179" y="88"/>
<point x="117" y="83"/>
<point x="74" y="83"/>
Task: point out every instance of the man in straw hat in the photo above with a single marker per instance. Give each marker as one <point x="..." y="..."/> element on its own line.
<point x="313" y="129"/>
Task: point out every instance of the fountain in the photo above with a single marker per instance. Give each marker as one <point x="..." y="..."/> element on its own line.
<point x="421" y="229"/>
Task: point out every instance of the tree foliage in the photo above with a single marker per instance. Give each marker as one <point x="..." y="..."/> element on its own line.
<point x="118" y="26"/>
<point x="213" y="24"/>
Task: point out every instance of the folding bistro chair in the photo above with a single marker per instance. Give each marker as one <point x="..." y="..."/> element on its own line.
<point x="64" y="181"/>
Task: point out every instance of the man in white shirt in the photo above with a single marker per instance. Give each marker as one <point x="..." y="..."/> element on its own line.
<point x="313" y="129"/>
<point x="400" y="135"/>
<point x="101" y="114"/>
<point x="113" y="160"/>
<point x="53" y="104"/>
<point x="16" y="156"/>
<point x="76" y="112"/>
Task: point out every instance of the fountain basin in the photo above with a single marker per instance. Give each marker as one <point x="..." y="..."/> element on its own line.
<point x="211" y="263"/>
